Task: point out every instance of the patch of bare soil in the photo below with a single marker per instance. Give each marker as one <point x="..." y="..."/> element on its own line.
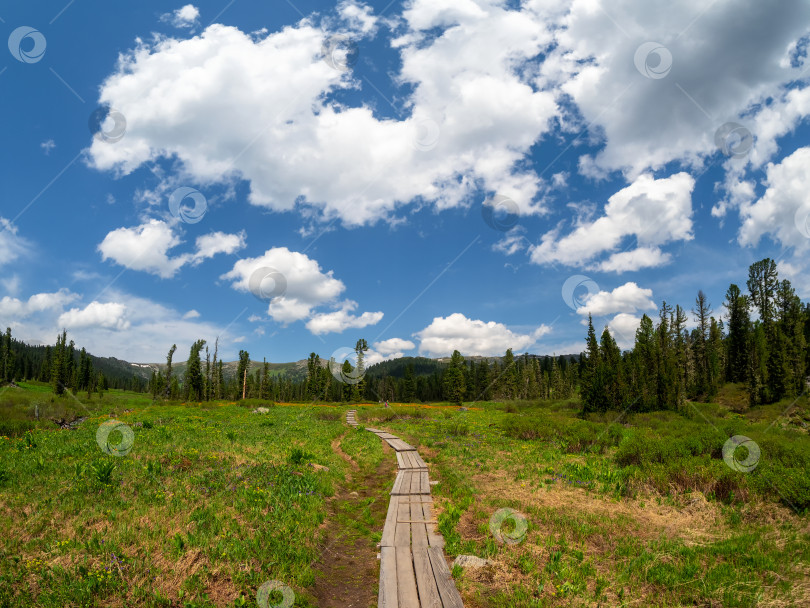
<point x="347" y="572"/>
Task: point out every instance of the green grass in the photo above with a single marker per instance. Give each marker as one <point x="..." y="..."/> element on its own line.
<point x="591" y="491"/>
<point x="211" y="501"/>
<point x="208" y="504"/>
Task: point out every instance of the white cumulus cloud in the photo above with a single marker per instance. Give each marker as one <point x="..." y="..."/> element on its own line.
<point x="342" y="319"/>
<point x="146" y="248"/>
<point x="471" y="119"/>
<point x="108" y="315"/>
<point x="305" y="287"/>
<point x="654" y="211"/>
<point x="627" y="298"/>
<point x="393" y="345"/>
<point x="473" y="337"/>
<point x="184" y="17"/>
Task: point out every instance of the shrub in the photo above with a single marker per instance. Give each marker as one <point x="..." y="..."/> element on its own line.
<point x="15" y="428"/>
<point x="329" y="415"/>
<point x="102" y="471"/>
<point x="457" y="428"/>
<point x="298" y="456"/>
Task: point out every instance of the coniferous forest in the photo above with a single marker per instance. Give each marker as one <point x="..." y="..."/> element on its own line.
<point x="761" y="341"/>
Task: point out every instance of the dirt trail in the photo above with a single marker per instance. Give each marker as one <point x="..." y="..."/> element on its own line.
<point x="347" y="571"/>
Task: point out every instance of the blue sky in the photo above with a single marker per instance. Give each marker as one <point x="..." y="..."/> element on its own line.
<point x="634" y="152"/>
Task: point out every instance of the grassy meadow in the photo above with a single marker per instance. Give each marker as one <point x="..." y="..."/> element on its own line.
<point x="208" y="503"/>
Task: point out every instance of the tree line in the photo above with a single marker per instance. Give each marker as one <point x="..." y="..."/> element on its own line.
<point x="522" y="377"/>
<point x="762" y="344"/>
<point x="63" y="366"/>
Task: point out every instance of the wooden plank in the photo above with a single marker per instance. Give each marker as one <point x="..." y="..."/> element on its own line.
<point x="399" y="445"/>
<point x="397" y="489"/>
<point x="424" y="482"/>
<point x="418" y="530"/>
<point x="390" y="527"/>
<point x="444" y="582"/>
<point x="407" y="482"/>
<point x="401" y="460"/>
<point x="387" y="597"/>
<point x="373" y="430"/>
<point x="407" y="594"/>
<point x="434" y="538"/>
<point x="420" y="463"/>
<point x="425" y="581"/>
<point x="402" y="538"/>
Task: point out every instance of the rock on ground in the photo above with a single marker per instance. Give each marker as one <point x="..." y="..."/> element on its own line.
<point x="471" y="561"/>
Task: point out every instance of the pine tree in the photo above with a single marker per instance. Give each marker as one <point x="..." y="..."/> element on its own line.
<point x="359" y="388"/>
<point x="739" y="326"/>
<point x="59" y="364"/>
<point x="241" y="375"/>
<point x="591" y="384"/>
<point x="169" y="379"/>
<point x="454" y="383"/>
<point x="612" y="373"/>
<point x="264" y="392"/>
<point x="314" y="377"/>
<point x="645" y="365"/>
<point x="207" y="379"/>
<point x="700" y="337"/>
<point x="762" y="285"/>
<point x="194" y="382"/>
<point x="216" y="381"/>
<point x="409" y="384"/>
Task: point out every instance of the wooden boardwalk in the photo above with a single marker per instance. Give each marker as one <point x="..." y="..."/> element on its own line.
<point x="413" y="571"/>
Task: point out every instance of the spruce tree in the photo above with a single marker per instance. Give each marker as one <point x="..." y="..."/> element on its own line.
<point x="169" y="378"/>
<point x="739" y="326"/>
<point x="454" y="384"/>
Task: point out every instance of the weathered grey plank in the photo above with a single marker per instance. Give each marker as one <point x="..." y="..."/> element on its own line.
<point x="387" y="596"/>
<point x="418" y="530"/>
<point x="401" y="460"/>
<point x="444" y="582"/>
<point x="390" y="527"/>
<point x="397" y="489"/>
<point x="425" y="581"/>
<point x="402" y="538"/>
<point x="434" y="538"/>
<point x="424" y="483"/>
<point x="398" y="444"/>
<point x="407" y="594"/>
